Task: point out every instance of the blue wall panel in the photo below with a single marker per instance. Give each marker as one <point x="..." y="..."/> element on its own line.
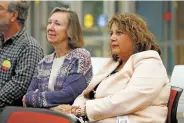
<point x="152" y="11"/>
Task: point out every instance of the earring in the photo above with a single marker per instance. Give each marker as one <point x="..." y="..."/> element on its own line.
<point x="69" y="40"/>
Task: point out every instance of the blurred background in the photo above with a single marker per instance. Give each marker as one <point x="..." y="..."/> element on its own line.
<point x="164" y="18"/>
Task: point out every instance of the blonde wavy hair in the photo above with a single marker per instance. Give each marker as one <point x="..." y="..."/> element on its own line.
<point x="136" y="28"/>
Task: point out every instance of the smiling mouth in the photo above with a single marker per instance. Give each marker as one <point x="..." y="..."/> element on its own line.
<point x="51" y="34"/>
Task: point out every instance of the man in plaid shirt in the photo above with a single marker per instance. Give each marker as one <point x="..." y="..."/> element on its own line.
<point x="19" y="53"/>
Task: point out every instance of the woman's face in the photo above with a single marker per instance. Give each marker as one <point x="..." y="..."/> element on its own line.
<point x="121" y="44"/>
<point x="57" y="28"/>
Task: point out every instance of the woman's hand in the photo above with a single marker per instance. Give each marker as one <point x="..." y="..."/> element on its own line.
<point x="63" y="108"/>
<point x="67" y="109"/>
<point x="24" y="101"/>
<point x="75" y="110"/>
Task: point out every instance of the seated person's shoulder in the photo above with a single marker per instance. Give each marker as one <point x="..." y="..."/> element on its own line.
<point x="47" y="58"/>
<point x="32" y="42"/>
<point x="151" y="57"/>
<point x="78" y="52"/>
<point x="28" y="42"/>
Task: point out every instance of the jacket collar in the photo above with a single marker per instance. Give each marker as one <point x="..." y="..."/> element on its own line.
<point x="51" y="57"/>
<point x="112" y="65"/>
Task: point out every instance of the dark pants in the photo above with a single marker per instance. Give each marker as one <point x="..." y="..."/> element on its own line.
<point x="18" y="102"/>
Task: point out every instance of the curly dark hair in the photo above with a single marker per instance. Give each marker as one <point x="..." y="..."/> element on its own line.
<point x="137" y="29"/>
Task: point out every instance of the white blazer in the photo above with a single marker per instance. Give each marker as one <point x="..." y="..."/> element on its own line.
<point x="140" y="91"/>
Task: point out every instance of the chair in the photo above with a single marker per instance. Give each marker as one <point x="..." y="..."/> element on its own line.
<point x="12" y="114"/>
<point x="177" y="79"/>
<point x="173" y="104"/>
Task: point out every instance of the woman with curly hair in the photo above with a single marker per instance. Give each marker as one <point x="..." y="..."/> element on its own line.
<point x="133" y="86"/>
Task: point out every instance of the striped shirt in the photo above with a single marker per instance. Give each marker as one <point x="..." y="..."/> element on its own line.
<point x="19" y="56"/>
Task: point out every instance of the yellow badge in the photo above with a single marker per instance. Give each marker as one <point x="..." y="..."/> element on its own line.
<point x="6" y="64"/>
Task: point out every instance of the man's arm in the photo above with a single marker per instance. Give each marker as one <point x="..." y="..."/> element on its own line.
<point x="17" y="86"/>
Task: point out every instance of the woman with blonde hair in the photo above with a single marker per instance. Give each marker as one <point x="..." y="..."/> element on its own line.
<point x="133" y="86"/>
<point x="63" y="75"/>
